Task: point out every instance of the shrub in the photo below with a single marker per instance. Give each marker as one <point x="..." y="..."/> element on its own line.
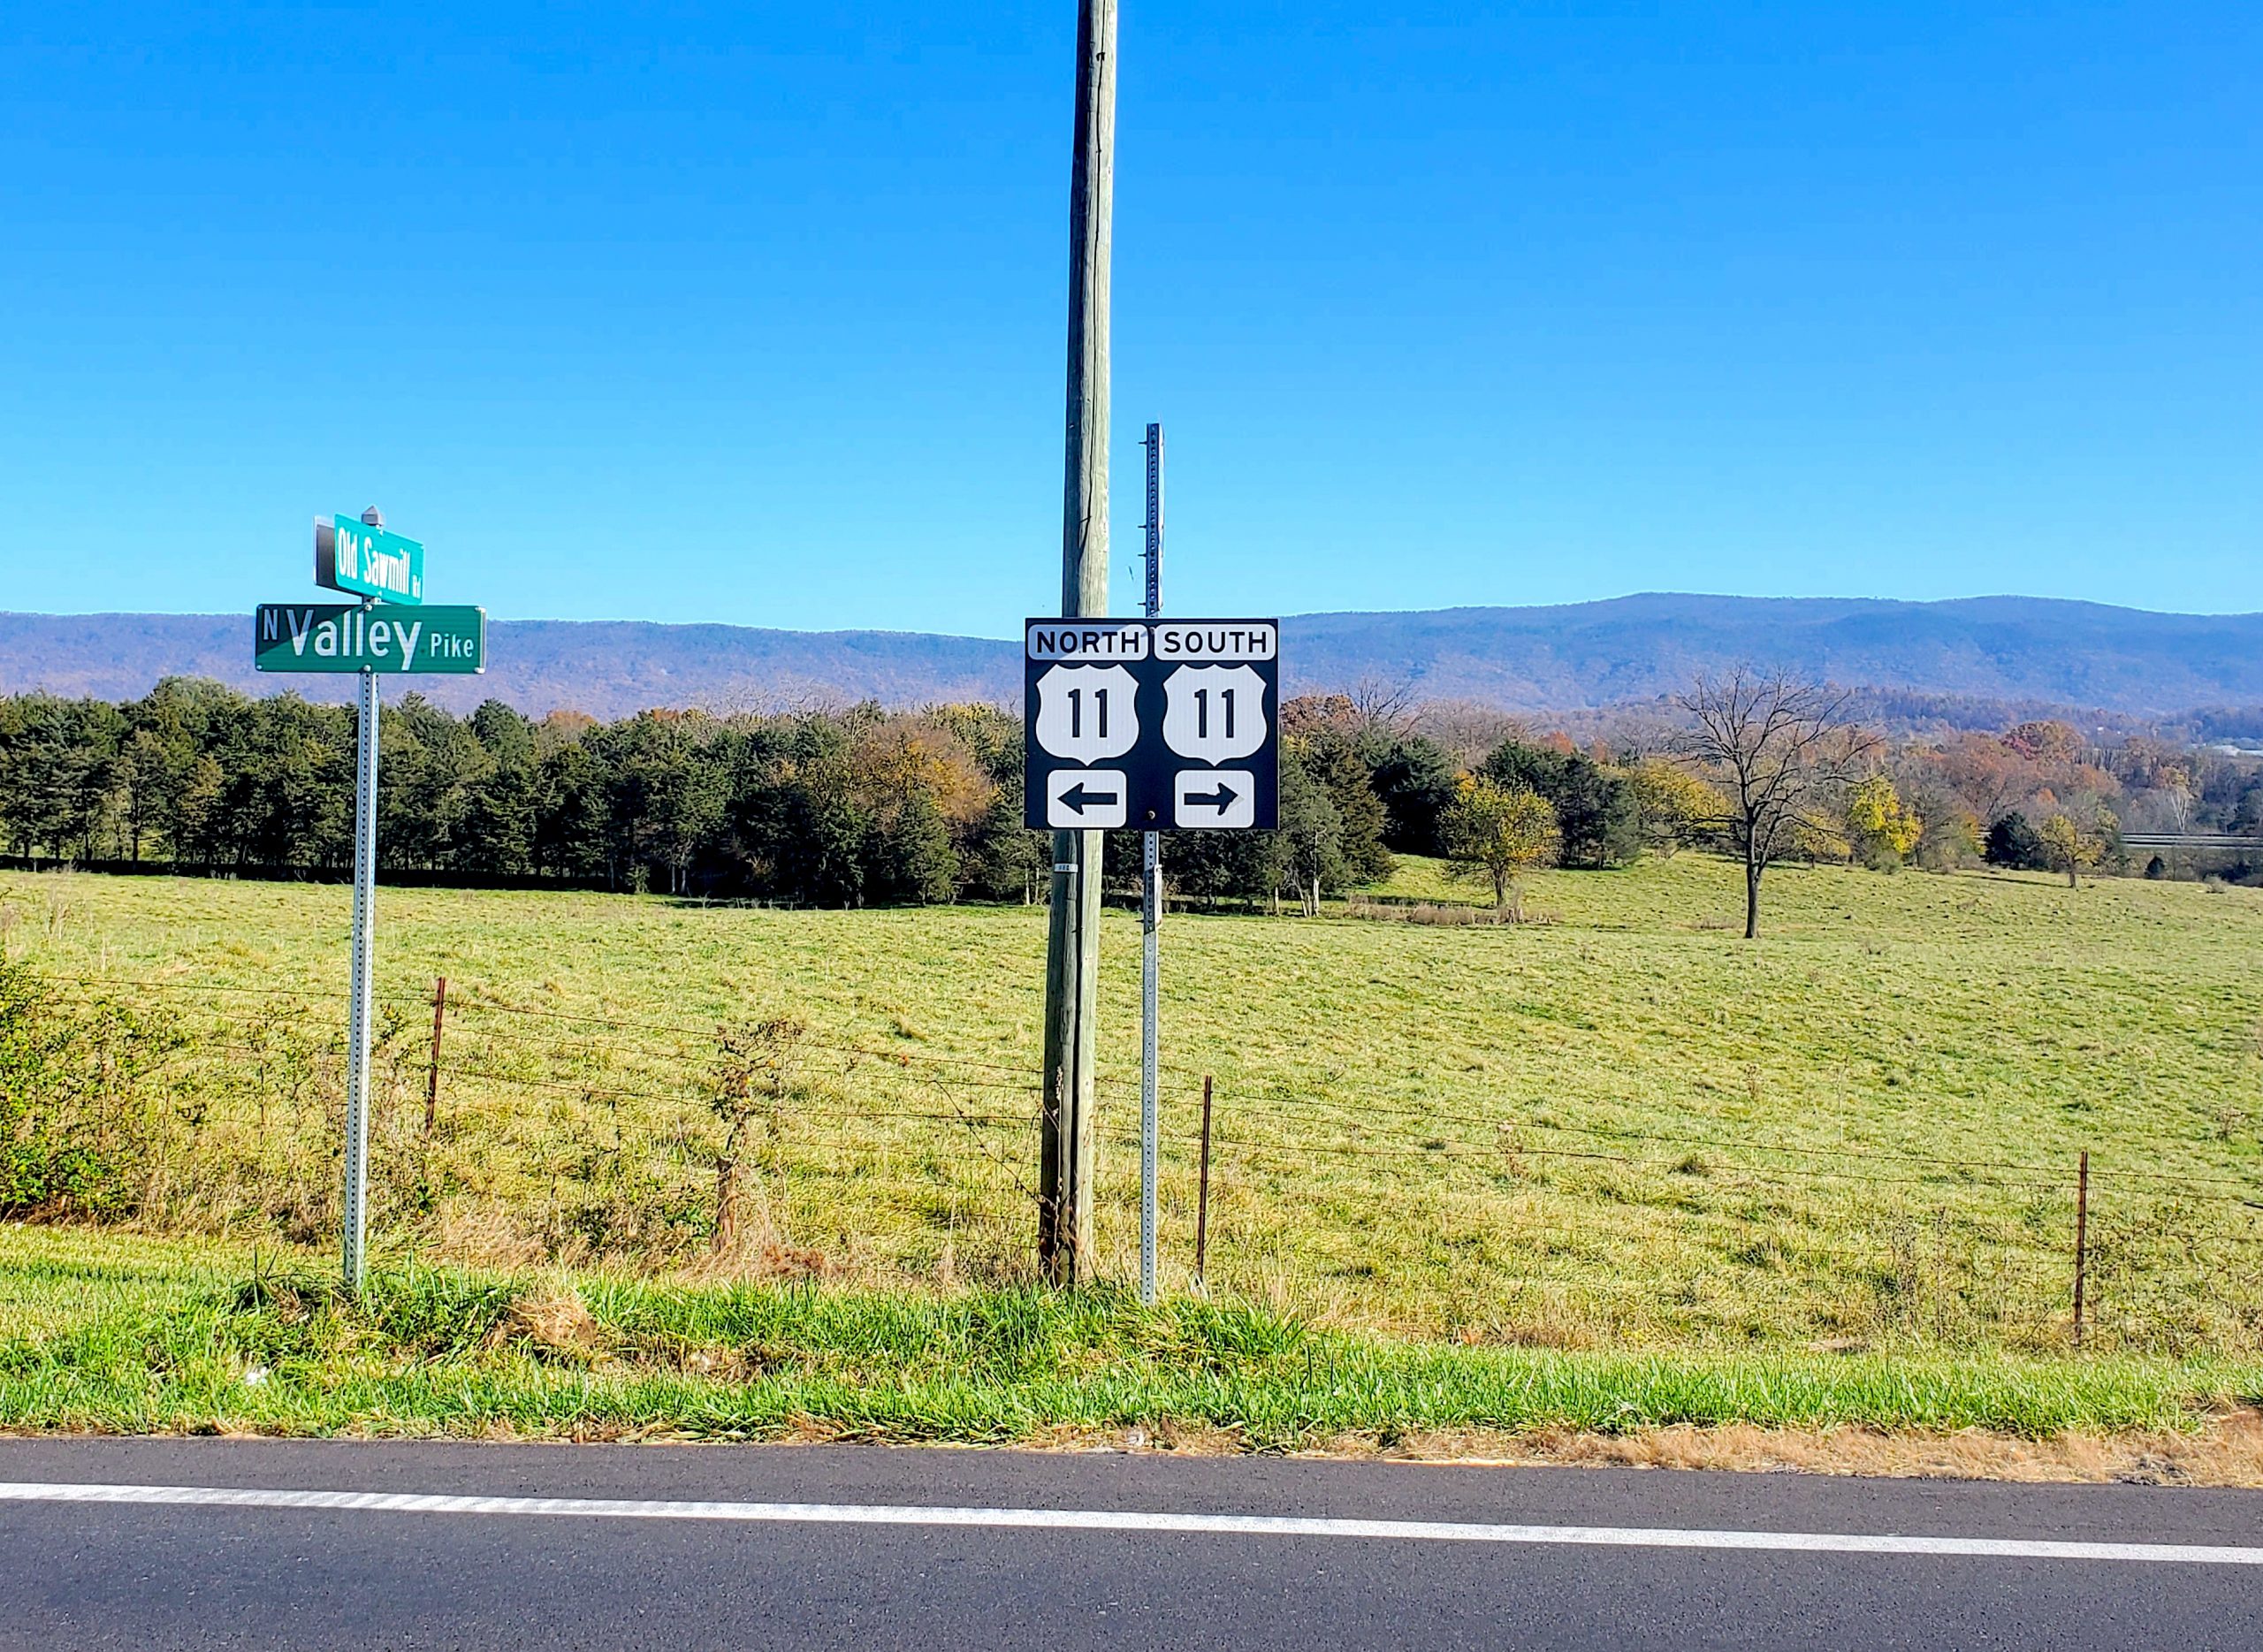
<point x="77" y="1134"/>
<point x="2013" y="844"/>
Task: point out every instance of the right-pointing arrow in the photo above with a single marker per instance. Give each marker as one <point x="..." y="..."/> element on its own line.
<point x="1219" y="800"/>
<point x="1080" y="797"/>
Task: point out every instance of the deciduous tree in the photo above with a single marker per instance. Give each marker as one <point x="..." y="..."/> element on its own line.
<point x="1882" y="830"/>
<point x="1505" y="832"/>
<point x="1597" y="814"/>
<point x="1674" y="808"/>
<point x="1781" y="750"/>
<point x="1307" y="851"/>
<point x="2072" y="848"/>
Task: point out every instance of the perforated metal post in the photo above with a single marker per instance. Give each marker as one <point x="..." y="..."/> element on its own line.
<point x="1151" y="911"/>
<point x="1202" y="1200"/>
<point x="359" y="1012"/>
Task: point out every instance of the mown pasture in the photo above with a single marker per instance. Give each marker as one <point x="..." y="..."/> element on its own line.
<point x="1621" y="1127"/>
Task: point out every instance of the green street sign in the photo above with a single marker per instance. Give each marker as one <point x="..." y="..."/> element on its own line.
<point x="368" y="562"/>
<point x="336" y="637"/>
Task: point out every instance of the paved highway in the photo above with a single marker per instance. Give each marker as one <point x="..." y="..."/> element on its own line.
<point x="541" y="1546"/>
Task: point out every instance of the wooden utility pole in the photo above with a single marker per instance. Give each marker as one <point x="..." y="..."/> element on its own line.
<point x="1072" y="942"/>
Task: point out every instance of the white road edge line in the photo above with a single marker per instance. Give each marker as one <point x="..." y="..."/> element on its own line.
<point x="1130" y="1520"/>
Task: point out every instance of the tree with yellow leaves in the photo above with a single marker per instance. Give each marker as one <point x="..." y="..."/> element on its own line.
<point x="1882" y="830"/>
<point x="1673" y="807"/>
<point x="1502" y="831"/>
<point x="2071" y="848"/>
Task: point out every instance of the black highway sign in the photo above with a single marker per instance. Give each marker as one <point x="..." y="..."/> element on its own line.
<point x="1152" y="725"/>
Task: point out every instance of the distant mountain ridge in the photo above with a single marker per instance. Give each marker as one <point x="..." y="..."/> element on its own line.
<point x="1574" y="656"/>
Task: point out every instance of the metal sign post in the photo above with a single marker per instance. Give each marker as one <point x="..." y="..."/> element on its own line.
<point x="1151" y="911"/>
<point x="398" y="634"/>
<point x="357" y="1035"/>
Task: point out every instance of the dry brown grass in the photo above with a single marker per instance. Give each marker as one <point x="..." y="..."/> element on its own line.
<point x="2227" y="1452"/>
<point x="553" y="1321"/>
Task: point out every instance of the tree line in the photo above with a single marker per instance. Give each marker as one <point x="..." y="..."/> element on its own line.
<point x="864" y="805"/>
<point x="826" y="808"/>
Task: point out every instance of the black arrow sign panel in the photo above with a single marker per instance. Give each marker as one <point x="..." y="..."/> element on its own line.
<point x="1080" y="797"/>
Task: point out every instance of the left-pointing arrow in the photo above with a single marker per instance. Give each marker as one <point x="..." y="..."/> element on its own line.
<point x="1081" y="797"/>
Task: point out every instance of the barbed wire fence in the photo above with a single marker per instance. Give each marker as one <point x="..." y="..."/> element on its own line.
<point x="512" y="1132"/>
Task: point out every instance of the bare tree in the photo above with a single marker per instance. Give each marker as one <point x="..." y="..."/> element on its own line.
<point x="2178" y="793"/>
<point x="1781" y="749"/>
<point x="1383" y="707"/>
<point x="1467" y="729"/>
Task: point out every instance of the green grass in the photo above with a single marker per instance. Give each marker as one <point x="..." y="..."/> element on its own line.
<point x="162" y="1335"/>
<point x="1624" y="1129"/>
<point x="59" y="1282"/>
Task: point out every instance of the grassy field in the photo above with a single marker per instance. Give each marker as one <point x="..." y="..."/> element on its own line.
<point x="1620" y="1129"/>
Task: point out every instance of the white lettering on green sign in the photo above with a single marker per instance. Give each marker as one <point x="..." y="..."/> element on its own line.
<point x="354" y="634"/>
<point x="291" y="636"/>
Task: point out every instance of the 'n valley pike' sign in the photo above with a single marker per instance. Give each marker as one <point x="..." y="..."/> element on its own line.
<point x="331" y="637"/>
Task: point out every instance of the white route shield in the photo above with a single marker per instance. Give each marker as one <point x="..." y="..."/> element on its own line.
<point x="1087" y="713"/>
<point x="1213" y="713"/>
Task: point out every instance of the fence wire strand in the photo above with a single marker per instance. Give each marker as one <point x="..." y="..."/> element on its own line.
<point x="2004" y="1260"/>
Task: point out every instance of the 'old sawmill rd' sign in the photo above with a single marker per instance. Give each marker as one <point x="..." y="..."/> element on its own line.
<point x="351" y="556"/>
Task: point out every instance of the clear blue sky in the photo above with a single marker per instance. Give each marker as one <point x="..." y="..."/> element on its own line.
<point x="754" y="313"/>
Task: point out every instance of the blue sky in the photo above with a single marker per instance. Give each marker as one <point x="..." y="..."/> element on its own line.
<point x="754" y="313"/>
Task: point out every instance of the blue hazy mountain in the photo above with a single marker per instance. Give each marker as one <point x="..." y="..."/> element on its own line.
<point x="2013" y="649"/>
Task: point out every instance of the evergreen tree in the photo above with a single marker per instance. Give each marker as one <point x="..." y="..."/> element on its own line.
<point x="1597" y="810"/>
<point x="1209" y="865"/>
<point x="2014" y="844"/>
<point x="496" y="833"/>
<point x="35" y="754"/>
<point x="505" y="735"/>
<point x="287" y="794"/>
<point x="1004" y="860"/>
<point x="175" y="781"/>
<point x="1331" y="759"/>
<point x="571" y="818"/>
<point x="1415" y="778"/>
<point x="194" y="830"/>
<point x="819" y="846"/>
<point x="914" y="861"/>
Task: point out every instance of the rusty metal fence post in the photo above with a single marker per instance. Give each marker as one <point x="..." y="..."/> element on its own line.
<point x="432" y="1072"/>
<point x="1202" y="1199"/>
<point x="2082" y="1240"/>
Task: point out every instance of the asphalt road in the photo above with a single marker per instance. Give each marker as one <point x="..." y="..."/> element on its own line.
<point x="145" y="1574"/>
